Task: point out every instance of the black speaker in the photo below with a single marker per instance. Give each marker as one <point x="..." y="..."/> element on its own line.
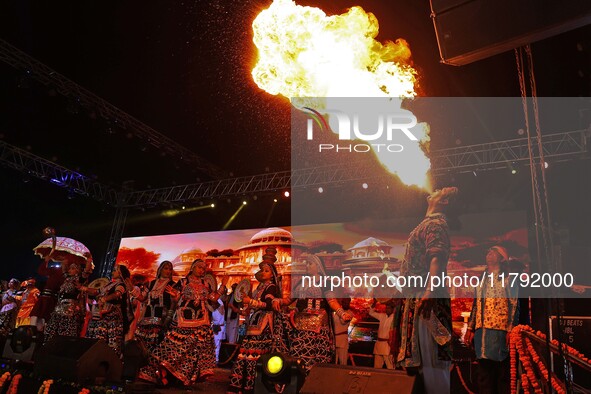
<point x="339" y="379"/>
<point x="81" y="360"/>
<point x="135" y="356"/>
<point x="470" y="30"/>
<point x="22" y="343"/>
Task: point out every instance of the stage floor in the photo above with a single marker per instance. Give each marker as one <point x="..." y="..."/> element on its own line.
<point x="217" y="384"/>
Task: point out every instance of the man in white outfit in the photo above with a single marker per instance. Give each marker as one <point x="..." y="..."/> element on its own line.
<point x="341" y="333"/>
<point x="381" y="350"/>
<point x="219" y="328"/>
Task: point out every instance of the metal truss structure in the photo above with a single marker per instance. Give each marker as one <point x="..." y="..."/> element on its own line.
<point x="495" y="155"/>
<point x="480" y="157"/>
<point x="263" y="183"/>
<point x="44" y="74"/>
<point x="32" y="165"/>
<point x="489" y="156"/>
<point x="114" y="242"/>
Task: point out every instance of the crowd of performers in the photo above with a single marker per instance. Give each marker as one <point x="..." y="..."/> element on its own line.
<point x="181" y="323"/>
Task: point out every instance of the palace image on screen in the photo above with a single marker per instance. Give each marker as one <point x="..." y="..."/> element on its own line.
<point x="349" y="248"/>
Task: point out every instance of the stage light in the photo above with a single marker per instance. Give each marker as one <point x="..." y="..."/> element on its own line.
<point x="270" y="213"/>
<point x="546" y="165"/>
<point x="275" y="365"/>
<point x="212" y="205"/>
<point x="243" y="202"/>
<point x="183" y="207"/>
<point x="320" y="190"/>
<point x="170" y="213"/>
<point x="276" y="372"/>
<point x="22" y="338"/>
<point x="513" y="171"/>
<point x="21" y="344"/>
<point x="365" y="185"/>
<point x="286" y="194"/>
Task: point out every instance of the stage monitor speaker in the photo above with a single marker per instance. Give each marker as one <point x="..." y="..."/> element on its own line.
<point x="340" y="379"/>
<point x="21" y="344"/>
<point x="471" y="30"/>
<point x="81" y="360"/>
<point x="135" y="356"/>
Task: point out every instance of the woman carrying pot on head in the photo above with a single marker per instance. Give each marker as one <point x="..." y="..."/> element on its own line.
<point x="262" y="335"/>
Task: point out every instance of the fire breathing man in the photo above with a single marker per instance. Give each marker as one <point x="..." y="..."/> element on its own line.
<point x="425" y="343"/>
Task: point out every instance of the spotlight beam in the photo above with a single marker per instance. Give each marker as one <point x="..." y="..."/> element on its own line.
<point x="233" y="217"/>
<point x="168" y="214"/>
<point x="273" y="204"/>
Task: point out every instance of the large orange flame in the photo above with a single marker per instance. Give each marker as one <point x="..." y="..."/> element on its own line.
<point x="306" y="56"/>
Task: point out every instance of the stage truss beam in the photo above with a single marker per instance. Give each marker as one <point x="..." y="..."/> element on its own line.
<point x="488" y="156"/>
<point x="114" y="242"/>
<point x="85" y="98"/>
<point x="32" y="165"/>
<point x="498" y="155"/>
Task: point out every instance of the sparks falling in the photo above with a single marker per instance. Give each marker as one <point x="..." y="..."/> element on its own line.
<point x="303" y="54"/>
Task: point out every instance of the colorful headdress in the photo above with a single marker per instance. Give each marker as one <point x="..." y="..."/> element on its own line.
<point x="161" y="266"/>
<point x="310" y="259"/>
<point x="502" y="252"/>
<point x="197" y="262"/>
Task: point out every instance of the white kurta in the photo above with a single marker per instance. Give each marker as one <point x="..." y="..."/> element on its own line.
<point x="382" y="347"/>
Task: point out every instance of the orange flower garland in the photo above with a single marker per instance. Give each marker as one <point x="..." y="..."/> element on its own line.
<point x="542" y="368"/>
<point x="44" y="389"/>
<point x="517" y="341"/>
<point x="525" y="384"/>
<point x="3" y="379"/>
<point x="513" y="355"/>
<point x="529" y="377"/>
<point x="84" y="391"/>
<point x="14" y="384"/>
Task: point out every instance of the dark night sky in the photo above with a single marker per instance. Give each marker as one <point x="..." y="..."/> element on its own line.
<point x="184" y="69"/>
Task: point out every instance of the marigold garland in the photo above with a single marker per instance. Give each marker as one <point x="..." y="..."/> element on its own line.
<point x="542" y="368"/>
<point x="3" y="379"/>
<point x="14" y="384"/>
<point x="525" y="359"/>
<point x="513" y="358"/>
<point x="44" y="389"/>
<point x="518" y="345"/>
